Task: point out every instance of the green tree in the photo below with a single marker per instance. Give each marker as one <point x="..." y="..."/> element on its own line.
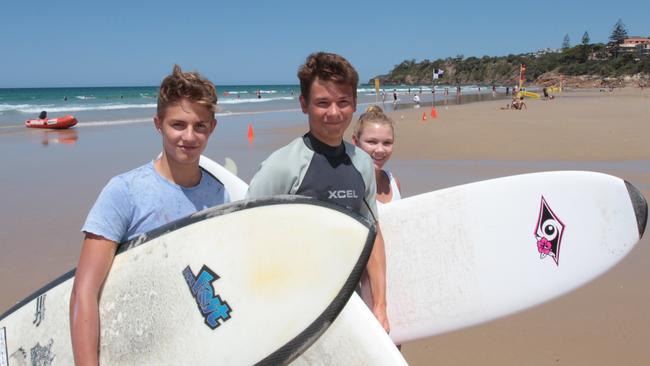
<point x="585" y="38"/>
<point x="566" y="43"/>
<point x="619" y="33"/>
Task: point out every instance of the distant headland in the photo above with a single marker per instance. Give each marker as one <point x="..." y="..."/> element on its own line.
<point x="624" y="60"/>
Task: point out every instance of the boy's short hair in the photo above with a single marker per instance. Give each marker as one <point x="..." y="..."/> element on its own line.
<point x="327" y="67"/>
<point x="186" y="85"/>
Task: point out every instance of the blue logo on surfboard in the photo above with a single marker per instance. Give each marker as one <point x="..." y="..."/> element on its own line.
<point x="211" y="306"/>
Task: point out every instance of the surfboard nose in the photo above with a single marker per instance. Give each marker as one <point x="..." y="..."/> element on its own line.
<point x="640" y="207"/>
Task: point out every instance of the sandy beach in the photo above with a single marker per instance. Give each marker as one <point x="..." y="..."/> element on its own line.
<point x="51" y="180"/>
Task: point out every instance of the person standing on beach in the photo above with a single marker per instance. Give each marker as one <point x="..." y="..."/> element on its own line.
<point x="416" y="100"/>
<point x="374" y="133"/>
<point x="321" y="165"/>
<point x="166" y="189"/>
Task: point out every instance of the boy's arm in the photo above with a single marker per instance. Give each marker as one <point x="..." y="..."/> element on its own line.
<point x="95" y="261"/>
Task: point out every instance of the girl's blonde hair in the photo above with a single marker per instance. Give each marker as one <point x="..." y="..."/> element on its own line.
<point x="374" y="114"/>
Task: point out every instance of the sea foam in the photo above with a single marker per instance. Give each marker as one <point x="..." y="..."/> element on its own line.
<point x="253" y="100"/>
<point x="31" y="109"/>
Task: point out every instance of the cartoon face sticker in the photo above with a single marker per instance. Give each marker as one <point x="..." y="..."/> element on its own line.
<point x="548" y="233"/>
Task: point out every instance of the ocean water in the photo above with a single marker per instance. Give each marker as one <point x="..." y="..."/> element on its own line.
<point x="106" y="105"/>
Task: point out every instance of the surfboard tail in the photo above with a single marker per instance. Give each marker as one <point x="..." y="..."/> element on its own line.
<point x="640" y="206"/>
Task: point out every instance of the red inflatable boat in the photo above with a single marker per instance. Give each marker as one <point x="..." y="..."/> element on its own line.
<point x="56" y="123"/>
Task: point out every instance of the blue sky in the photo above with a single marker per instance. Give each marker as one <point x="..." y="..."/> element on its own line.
<point x="118" y="43"/>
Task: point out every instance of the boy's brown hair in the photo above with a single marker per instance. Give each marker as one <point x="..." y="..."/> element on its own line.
<point x="186" y="85"/>
<point x="327" y="67"/>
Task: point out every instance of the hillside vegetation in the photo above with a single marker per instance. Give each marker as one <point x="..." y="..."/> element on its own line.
<point x="591" y="64"/>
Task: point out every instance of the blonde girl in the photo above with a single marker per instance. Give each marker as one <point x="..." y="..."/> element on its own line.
<point x="374" y="133"/>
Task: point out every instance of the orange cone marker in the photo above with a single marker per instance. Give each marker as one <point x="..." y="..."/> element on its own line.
<point x="251" y="134"/>
<point x="434" y="112"/>
<point x="424" y="116"/>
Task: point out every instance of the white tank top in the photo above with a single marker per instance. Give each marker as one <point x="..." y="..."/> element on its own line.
<point x="393" y="188"/>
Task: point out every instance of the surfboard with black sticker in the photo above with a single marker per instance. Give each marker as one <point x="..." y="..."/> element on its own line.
<point x="480" y="251"/>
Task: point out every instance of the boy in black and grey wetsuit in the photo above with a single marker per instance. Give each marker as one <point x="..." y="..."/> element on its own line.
<point x="309" y="167"/>
<point x="320" y="164"/>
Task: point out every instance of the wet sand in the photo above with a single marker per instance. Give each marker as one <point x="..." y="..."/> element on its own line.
<point x="50" y="181"/>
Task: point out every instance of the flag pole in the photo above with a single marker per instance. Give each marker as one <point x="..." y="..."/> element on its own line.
<point x="436" y="75"/>
<point x="433" y="87"/>
<point x="377" y="91"/>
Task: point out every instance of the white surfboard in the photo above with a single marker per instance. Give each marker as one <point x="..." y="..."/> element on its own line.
<point x="469" y="254"/>
<point x="355" y="337"/>
<point x="234" y="185"/>
<point x="225" y="286"/>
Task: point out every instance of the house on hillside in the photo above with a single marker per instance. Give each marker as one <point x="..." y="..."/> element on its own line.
<point x="639" y="46"/>
<point x="636" y="40"/>
<point x="597" y="56"/>
<point x="546" y="51"/>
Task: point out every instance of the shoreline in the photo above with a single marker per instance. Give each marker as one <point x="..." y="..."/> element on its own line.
<point x="137" y="112"/>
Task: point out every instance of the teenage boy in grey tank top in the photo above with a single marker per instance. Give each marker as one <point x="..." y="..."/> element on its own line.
<point x="320" y="164"/>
